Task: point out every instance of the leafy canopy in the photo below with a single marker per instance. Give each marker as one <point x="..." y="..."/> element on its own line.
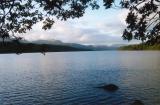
<point x="143" y="20"/>
<point x="18" y="16"/>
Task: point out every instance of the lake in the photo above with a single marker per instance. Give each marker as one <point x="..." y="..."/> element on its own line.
<point x="71" y="78"/>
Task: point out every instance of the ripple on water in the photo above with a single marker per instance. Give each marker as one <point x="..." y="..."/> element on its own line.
<point x="70" y="78"/>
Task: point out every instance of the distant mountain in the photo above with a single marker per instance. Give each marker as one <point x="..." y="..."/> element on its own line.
<point x="102" y="47"/>
<point x="52" y="42"/>
<point x="79" y="46"/>
<point x="50" y="46"/>
<point x="13" y="47"/>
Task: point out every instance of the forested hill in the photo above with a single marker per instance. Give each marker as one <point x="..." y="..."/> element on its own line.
<point x="49" y="46"/>
<point x="141" y="47"/>
<point x="12" y="47"/>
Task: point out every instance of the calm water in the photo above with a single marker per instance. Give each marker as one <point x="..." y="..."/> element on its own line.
<point x="70" y="78"/>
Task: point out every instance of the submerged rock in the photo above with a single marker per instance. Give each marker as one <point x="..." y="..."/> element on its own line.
<point x="137" y="102"/>
<point x="109" y="87"/>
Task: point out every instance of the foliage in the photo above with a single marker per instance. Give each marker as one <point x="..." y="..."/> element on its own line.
<point x="18" y="16"/>
<point x="141" y="47"/>
<point x="143" y="20"/>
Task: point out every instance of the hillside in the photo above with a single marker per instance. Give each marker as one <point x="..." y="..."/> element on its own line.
<point x="49" y="46"/>
<point x="11" y="47"/>
<point x="76" y="45"/>
<point x="141" y="47"/>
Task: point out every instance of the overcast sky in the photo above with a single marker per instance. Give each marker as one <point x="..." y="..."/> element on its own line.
<point x="102" y="27"/>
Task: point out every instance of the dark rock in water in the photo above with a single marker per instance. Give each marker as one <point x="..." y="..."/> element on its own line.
<point x="137" y="102"/>
<point x="109" y="87"/>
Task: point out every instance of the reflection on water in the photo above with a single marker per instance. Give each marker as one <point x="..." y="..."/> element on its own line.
<point x="70" y="78"/>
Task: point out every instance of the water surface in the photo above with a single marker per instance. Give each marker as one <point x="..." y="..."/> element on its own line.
<point x="71" y="78"/>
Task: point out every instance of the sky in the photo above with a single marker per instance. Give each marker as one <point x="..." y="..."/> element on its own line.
<point x="96" y="27"/>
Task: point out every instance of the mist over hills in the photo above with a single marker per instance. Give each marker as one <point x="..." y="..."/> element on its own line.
<point x="25" y="46"/>
<point x="52" y="42"/>
<point x="79" y="46"/>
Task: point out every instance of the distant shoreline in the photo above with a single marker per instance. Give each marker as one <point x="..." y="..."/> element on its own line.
<point x="8" y="48"/>
<point x="37" y="52"/>
<point x="19" y="47"/>
<point x="15" y="48"/>
<point x="140" y="47"/>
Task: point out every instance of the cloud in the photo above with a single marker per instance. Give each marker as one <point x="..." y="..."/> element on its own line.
<point x="86" y="30"/>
